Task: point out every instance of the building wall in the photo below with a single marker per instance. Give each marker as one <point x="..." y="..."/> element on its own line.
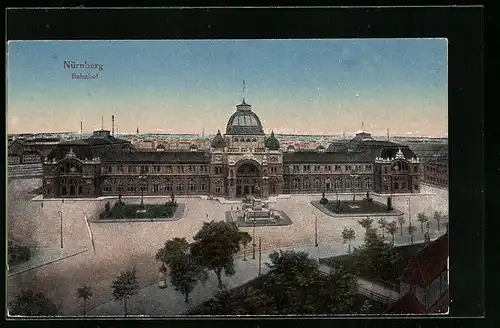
<point x="318" y="178"/>
<point x="436" y="174"/>
<point x="218" y="177"/>
<point x="429" y="294"/>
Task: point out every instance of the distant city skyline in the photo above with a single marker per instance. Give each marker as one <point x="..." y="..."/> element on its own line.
<point x="319" y="87"/>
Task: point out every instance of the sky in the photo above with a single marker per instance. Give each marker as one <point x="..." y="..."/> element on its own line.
<point x="179" y="86"/>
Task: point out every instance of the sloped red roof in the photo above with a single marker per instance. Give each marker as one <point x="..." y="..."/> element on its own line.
<point x="408" y="304"/>
<point x="427" y="264"/>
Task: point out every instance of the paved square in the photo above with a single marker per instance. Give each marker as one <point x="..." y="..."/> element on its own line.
<point x="125" y="244"/>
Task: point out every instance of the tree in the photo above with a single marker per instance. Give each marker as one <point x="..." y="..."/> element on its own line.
<point x="422" y="218"/>
<point x="245" y="240"/>
<point x="172" y="249"/>
<point x="124" y="286"/>
<point x="411" y="231"/>
<point x="29" y="303"/>
<point x="376" y="258"/>
<point x="438" y="217"/>
<point x="391" y="228"/>
<point x="401" y="221"/>
<point x="215" y="245"/>
<point x="185" y="272"/>
<point x="382" y="223"/>
<point x="348" y="234"/>
<point x="297" y="286"/>
<point x="84" y="293"/>
<point x="366" y="222"/>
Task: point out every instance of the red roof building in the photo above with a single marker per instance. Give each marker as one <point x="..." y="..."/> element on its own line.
<point x="424" y="282"/>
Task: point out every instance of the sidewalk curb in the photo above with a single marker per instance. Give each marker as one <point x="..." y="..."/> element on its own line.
<point x="47" y="263"/>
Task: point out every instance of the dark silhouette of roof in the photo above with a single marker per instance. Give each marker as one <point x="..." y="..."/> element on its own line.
<point x="427" y="264"/>
<point x="408" y="304"/>
<point x="218" y="141"/>
<point x="272" y="143"/>
<point x="313" y="156"/>
<point x="97" y="145"/>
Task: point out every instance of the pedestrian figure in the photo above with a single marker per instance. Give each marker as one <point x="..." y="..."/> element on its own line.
<point x="207" y="215"/>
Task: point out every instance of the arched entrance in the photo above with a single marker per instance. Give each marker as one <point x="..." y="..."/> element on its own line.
<point x="70" y="179"/>
<point x="248" y="179"/>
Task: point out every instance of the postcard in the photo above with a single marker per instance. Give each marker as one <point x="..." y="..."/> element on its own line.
<point x="167" y="178"/>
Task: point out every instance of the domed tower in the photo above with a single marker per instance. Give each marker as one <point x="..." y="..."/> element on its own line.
<point x="272" y="143"/>
<point x="218" y="141"/>
<point x="244" y="129"/>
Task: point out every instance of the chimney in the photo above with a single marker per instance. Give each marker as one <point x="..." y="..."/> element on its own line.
<point x="112" y="125"/>
<point x="81" y="129"/>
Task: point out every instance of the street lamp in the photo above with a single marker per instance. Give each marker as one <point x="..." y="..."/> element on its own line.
<point x="59" y="214"/>
<point x="353" y="176"/>
<point x="409" y="213"/>
<point x="253" y="239"/>
<point x="142" y="178"/>
<point x="315" y="231"/>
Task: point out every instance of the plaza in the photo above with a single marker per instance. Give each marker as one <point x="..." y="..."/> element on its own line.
<point x="113" y="247"/>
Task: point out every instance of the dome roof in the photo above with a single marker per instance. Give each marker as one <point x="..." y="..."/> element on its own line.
<point x="244" y="121"/>
<point x="272" y="143"/>
<point x="218" y="141"/>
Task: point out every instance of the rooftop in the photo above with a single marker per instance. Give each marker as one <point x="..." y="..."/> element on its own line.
<point x="427" y="264"/>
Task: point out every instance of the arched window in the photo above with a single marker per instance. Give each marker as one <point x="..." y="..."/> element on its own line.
<point x="338" y="183"/>
<point x="254" y="140"/>
<point x="218" y="187"/>
<point x="348" y="183"/>
<point x="400" y="166"/>
<point x="248" y="139"/>
<point x="368" y="183"/>
<point x="306" y="184"/>
<point x="236" y="139"/>
<point x="357" y="183"/>
<point x="317" y="184"/>
<point x="328" y="184"/>
<point x="106" y="186"/>
<point x="296" y="184"/>
<point x="191" y="185"/>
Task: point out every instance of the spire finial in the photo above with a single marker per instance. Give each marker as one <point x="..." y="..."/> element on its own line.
<point x="243" y="91"/>
<point x="362" y="126"/>
<point x="102" y="122"/>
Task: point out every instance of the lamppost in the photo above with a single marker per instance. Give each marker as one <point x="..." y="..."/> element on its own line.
<point x="409" y="213"/>
<point x="315" y="231"/>
<point x="253" y="240"/>
<point x="142" y="178"/>
<point x="59" y="214"/>
<point x="353" y="176"/>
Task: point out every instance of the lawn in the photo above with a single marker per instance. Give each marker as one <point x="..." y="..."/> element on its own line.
<point x="130" y="211"/>
<point x="357" y="207"/>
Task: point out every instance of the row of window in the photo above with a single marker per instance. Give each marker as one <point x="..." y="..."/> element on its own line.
<point x="328" y="168"/>
<point x="338" y="184"/>
<point x="192" y="169"/>
<point x="244" y="140"/>
<point x="435" y="169"/>
<point x="31" y="158"/>
<point x="437" y="180"/>
<point x="155" y="187"/>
